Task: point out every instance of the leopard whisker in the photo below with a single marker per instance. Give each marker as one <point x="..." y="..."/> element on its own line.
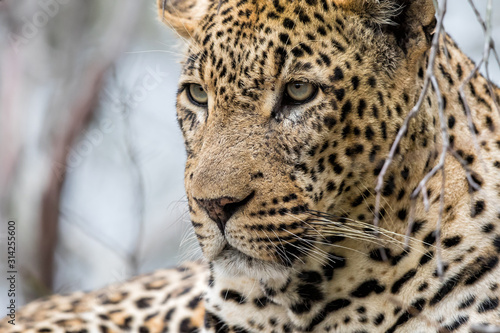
<point x="330" y="219"/>
<point x="351" y="228"/>
<point x="321" y="251"/>
<point x="353" y="234"/>
<point x="339" y="246"/>
<point x="318" y="255"/>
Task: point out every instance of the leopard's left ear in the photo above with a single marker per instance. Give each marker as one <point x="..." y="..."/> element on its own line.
<point x="182" y="15"/>
<point x="412" y="22"/>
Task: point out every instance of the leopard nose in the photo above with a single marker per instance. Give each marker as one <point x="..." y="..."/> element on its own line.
<point x="220" y="210"/>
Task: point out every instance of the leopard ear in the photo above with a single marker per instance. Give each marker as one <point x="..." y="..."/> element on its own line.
<point x="182" y="15"/>
<point x="412" y="22"/>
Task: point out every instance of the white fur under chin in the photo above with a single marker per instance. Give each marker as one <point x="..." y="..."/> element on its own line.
<point x="233" y="263"/>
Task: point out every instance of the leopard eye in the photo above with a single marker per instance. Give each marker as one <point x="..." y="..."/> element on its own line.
<point x="197" y="95"/>
<point x="300" y="92"/>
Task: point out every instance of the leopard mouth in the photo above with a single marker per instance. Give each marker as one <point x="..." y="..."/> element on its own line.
<point x="232" y="262"/>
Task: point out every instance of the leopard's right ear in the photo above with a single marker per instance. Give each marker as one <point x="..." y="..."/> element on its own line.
<point x="182" y="15"/>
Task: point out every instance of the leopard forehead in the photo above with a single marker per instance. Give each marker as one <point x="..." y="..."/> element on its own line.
<point x="254" y="45"/>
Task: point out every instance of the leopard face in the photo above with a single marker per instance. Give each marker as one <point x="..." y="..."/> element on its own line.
<point x="259" y="161"/>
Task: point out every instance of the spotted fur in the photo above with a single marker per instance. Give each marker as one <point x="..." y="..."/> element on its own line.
<point x="282" y="196"/>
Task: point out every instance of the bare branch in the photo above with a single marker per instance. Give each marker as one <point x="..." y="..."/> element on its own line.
<point x="468" y="112"/>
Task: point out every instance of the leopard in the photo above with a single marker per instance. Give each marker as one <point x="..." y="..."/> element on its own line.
<point x="342" y="175"/>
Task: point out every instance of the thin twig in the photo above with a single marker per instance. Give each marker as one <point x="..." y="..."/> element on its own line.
<point x="468" y="112"/>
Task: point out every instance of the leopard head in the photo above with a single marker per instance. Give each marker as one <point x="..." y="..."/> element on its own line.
<point x="288" y="110"/>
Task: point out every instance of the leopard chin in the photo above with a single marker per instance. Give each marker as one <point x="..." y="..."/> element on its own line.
<point x="233" y="263"/>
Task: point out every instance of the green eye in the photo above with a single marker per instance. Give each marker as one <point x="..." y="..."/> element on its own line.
<point x="197" y="95"/>
<point x="300" y="92"/>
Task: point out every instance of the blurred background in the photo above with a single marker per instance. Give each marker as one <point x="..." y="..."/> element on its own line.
<point x="91" y="158"/>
